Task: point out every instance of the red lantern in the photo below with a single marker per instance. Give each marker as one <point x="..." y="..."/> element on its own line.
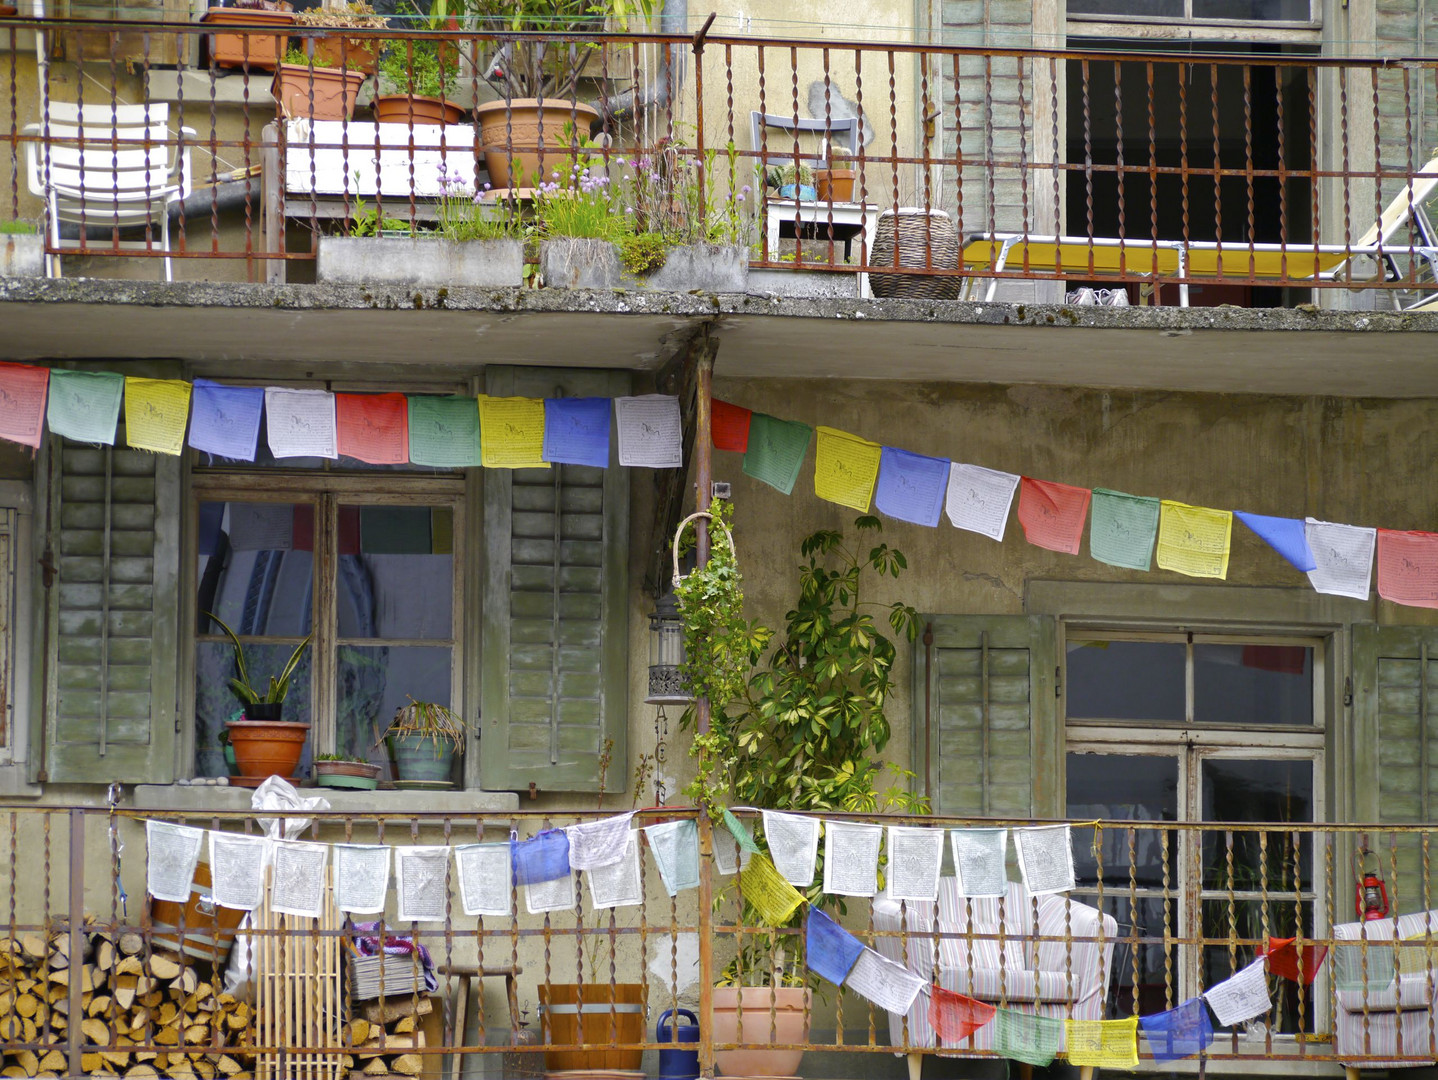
<point x="1371" y="897"/>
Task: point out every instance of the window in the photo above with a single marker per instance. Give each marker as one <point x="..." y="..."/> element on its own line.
<point x="1300" y="12"/>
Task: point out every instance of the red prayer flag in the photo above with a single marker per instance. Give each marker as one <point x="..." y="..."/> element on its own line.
<point x="1408" y="567"/>
<point x="373" y="427"/>
<point x="1283" y="959"/>
<point x="348" y="524"/>
<point x="729" y="426"/>
<point x="954" y="1017"/>
<point x="1053" y="515"/>
<point x="1282" y="659"/>
<point x="23" y="390"/>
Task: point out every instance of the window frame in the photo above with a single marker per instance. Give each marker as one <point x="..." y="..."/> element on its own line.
<point x="1190" y="21"/>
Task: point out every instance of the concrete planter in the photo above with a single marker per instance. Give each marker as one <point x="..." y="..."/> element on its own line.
<point x="810" y="284"/>
<point x="421" y="260"/>
<point x="567" y="263"/>
<point x="21" y="255"/>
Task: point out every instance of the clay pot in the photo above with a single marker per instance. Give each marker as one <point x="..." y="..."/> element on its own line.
<point x="359" y="54"/>
<point x="267" y="748"/>
<point x="510" y="131"/>
<point x="406" y="109"/>
<point x="319" y="93"/>
<point x="261" y="52"/>
<point x="835" y="185"/>
<point x="790" y="1024"/>
<point x="359" y="776"/>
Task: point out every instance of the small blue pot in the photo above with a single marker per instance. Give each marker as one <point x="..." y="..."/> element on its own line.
<point x="805" y="192"/>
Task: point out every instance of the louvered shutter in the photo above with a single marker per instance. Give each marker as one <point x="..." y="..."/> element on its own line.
<point x="992" y="746"/>
<point x="112" y="618"/>
<point x="555" y="608"/>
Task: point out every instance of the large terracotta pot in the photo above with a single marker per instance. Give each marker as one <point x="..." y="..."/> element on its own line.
<point x="601" y="1016"/>
<point x="404" y="109"/>
<point x="510" y="133"/>
<point x="261" y="52"/>
<point x="267" y="748"/>
<point x="788" y="1024"/>
<point x="330" y="96"/>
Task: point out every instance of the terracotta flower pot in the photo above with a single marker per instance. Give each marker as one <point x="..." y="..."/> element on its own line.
<point x="319" y="93"/>
<point x="788" y="1024"/>
<point x="835" y="185"/>
<point x="407" y="109"/>
<point x="356" y="54"/>
<point x="261" y="52"/>
<point x="267" y="748"/>
<point x="510" y="133"/>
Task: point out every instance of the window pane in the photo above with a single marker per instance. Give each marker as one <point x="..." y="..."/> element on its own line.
<point x="1252" y="684"/>
<point x="1141" y="924"/>
<point x="395" y="573"/>
<point x="1256" y="10"/>
<point x="1125" y="680"/>
<point x="1168" y="9"/>
<point x="374" y="681"/>
<point x="256" y="567"/>
<point x="1261" y="791"/>
<point x="216" y="703"/>
<point x="1123" y="787"/>
<point x="1245" y="921"/>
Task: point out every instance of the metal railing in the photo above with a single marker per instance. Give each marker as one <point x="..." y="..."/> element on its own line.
<point x="93" y="977"/>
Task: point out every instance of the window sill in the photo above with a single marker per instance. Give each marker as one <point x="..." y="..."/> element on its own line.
<point x="185" y="797"/>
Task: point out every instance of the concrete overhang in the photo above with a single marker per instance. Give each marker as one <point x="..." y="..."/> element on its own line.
<point x="266" y="331"/>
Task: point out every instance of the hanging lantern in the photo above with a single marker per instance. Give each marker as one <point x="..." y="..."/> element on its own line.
<point x="666" y="655"/>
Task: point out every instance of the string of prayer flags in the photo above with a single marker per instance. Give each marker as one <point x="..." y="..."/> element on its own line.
<point x="1122" y="529"/>
<point x="729" y="426"/>
<point x="598" y="843"/>
<point x="651" y="435"/>
<point x="373" y="428"/>
<point x="829" y="950"/>
<point x="1110" y="1044"/>
<point x="443" y="431"/>
<point x="554" y="895"/>
<point x="1019" y="1036"/>
<point x="543" y="857"/>
<point x="776" y="451"/>
<point x="676" y="852"/>
<point x="891" y="986"/>
<point x="511" y="433"/>
<point x="298" y="886"/>
<point x="421" y="883"/>
<point x="954" y="1017"/>
<point x="740" y="833"/>
<point x="1286" y="960"/>
<point x="1046" y="858"/>
<point x="156" y="411"/>
<point x="85" y="405"/>
<point x="851" y="858"/>
<point x="618" y="884"/>
<point x="237" y="870"/>
<point x="486" y="878"/>
<point x="361" y="877"/>
<point x="793" y="845"/>
<point x="1242" y="997"/>
<point x="911" y="486"/>
<point x="916" y="856"/>
<point x="23" y="390"/>
<point x="1342" y="558"/>
<point x="1194" y="540"/>
<point x="301" y="423"/>
<point x="1284" y="535"/>
<point x="766" y="891"/>
<point x="171" y="854"/>
<point x="978" y="499"/>
<point x="225" y="420"/>
<point x="576" y="431"/>
<point x="846" y="468"/>
<point x="1408" y="567"/>
<point x="1178" y="1033"/>
<point x="979" y="857"/>
<point x="1053" y="514"/>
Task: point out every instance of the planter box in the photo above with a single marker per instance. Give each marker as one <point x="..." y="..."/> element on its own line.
<point x="420" y="260"/>
<point x="810" y="284"/>
<point x="594" y="264"/>
<point x="21" y="255"/>
<point x="261" y="52"/>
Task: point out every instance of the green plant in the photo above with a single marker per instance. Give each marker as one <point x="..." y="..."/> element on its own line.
<point x="642" y="253"/>
<point x="278" y="686"/>
<point x="429" y="722"/>
<point x="416" y="69"/>
<point x="366" y="221"/>
<point x="465" y="214"/>
<point x="783" y="175"/>
<point x="16" y="228"/>
<point x="345" y="758"/>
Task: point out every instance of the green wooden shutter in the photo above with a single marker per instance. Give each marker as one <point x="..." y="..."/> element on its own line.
<point x="113" y="531"/>
<point x="555" y="656"/>
<point x="985" y="713"/>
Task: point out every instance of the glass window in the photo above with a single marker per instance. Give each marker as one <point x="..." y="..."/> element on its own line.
<point x="1126" y="680"/>
<point x="1256" y="11"/>
<point x="1252" y="684"/>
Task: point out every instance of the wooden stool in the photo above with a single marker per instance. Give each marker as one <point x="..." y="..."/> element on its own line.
<point x="470" y="973"/>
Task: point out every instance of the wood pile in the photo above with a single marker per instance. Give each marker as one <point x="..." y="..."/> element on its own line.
<point x="142" y="1017"/>
<point x="386" y="1034"/>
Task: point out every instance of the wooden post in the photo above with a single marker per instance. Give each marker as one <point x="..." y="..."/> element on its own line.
<point x="703" y="485"/>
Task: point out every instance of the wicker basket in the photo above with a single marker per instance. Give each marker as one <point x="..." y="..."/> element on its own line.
<point x="925" y="238"/>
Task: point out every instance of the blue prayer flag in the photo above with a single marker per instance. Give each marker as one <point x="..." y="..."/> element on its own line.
<point x="1283" y="535"/>
<point x="576" y="431"/>
<point x="911" y="486"/>
<point x="225" y="420"/>
<point x="1180" y="1032"/>
<point x="830" y="950"/>
<point x="543" y="857"/>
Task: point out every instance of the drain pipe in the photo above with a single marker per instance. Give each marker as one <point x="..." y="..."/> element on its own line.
<point x="659" y="92"/>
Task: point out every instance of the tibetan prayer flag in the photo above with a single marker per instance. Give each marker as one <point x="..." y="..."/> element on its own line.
<point x="543" y="857"/>
<point x="171" y="852"/>
<point x="156" y="411"/>
<point x="739" y="832"/>
<point x="1283" y="535"/>
<point x="776" y="451"/>
<point x="1194" y="540"/>
<point x="1288" y="961"/>
<point x="300" y="423"/>
<point x="85" y="405"/>
<point x="1122" y="529"/>
<point x="888" y="985"/>
<point x="979" y="499"/>
<point x="911" y="486"/>
<point x="23" y="389"/>
<point x="767" y="892"/>
<point x="443" y="431"/>
<point x="1178" y="1033"/>
<point x="1241" y="997"/>
<point x="373" y="428"/>
<point x="829" y="949"/>
<point x="1408" y="567"/>
<point x="1110" y="1044"/>
<point x="1053" y="514"/>
<point x="594" y="844"/>
<point x="225" y="420"/>
<point x="1342" y="556"/>
<point x="729" y="426"/>
<point x="793" y="841"/>
<point x="651" y="434"/>
<point x="845" y="469"/>
<point x="954" y="1017"/>
<point x="511" y="433"/>
<point x="576" y="431"/>
<point x="1024" y="1037"/>
<point x="676" y="852"/>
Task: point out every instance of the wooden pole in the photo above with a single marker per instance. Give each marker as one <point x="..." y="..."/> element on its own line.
<point x="703" y="485"/>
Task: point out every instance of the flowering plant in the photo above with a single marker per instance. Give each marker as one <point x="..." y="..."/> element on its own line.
<point x="465" y="214"/>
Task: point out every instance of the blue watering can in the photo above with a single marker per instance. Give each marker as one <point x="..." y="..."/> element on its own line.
<point x="677" y="1064"/>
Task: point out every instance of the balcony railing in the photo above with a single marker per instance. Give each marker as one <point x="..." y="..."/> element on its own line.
<point x="1211" y="177"/>
<point x="92" y="978"/>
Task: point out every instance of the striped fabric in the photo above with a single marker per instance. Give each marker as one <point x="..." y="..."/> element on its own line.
<point x="1368" y="1030"/>
<point x="987" y="949"/>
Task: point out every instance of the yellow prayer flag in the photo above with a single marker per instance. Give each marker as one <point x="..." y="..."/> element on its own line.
<point x="845" y="469"/>
<point x="1110" y="1044"/>
<point x="1194" y="540"/>
<point x="767" y="892"/>
<point x="156" y="411"/>
<point x="511" y="433"/>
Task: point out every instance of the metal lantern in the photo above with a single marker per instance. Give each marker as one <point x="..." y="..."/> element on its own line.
<point x="666" y="655"/>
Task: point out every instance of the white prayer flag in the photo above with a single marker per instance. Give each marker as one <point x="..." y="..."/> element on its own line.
<point x="915" y="858"/>
<point x="793" y="845"/>
<point x="979" y="858"/>
<point x="676" y="852"/>
<point x="361" y="877"/>
<point x="237" y="870"/>
<point x="619" y="883"/>
<point x="298" y="886"/>
<point x="851" y="858"/>
<point x="555" y="895"/>
<point x="486" y="878"/>
<point x="1343" y="557"/>
<point x="300" y="423"/>
<point x="888" y="985"/>
<point x="726" y="852"/>
<point x="979" y="499"/>
<point x="593" y="844"/>
<point x="421" y="883"/>
<point x="171" y="854"/>
<point x="650" y="432"/>
<point x="1242" y="997"/>
<point x="1046" y="858"/>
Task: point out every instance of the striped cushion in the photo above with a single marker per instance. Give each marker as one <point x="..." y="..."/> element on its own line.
<point x="1368" y="1029"/>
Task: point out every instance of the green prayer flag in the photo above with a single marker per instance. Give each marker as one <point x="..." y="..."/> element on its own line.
<point x="444" y="431"/>
<point x="1122" y="529"/>
<point x="740" y="834"/>
<point x="1023" y="1037"/>
<point x="85" y="405"/>
<point x="776" y="450"/>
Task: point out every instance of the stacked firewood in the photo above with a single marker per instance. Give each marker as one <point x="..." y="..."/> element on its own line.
<point x="386" y="1034"/>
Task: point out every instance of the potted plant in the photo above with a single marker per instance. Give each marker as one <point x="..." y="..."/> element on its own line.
<point x="342" y="50"/>
<point x="423" y="739"/>
<point x="255" y="51"/>
<point x="413" y="81"/>
<point x="794" y="182"/>
<point x="835" y="182"/>
<point x="340" y="771"/>
<point x="264" y="744"/>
